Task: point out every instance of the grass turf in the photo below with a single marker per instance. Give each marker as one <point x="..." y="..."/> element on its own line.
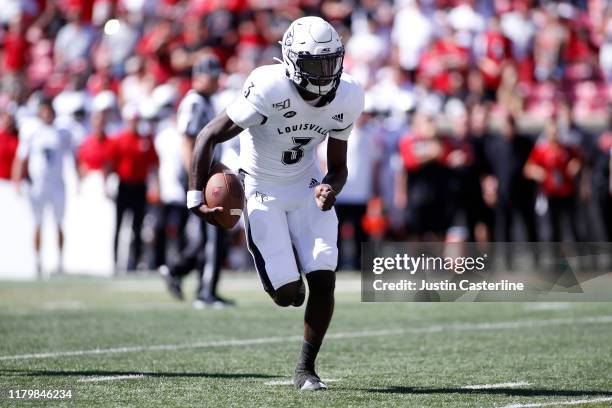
<point x="390" y="354"/>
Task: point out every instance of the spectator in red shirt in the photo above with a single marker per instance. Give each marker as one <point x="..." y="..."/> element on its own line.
<point x="134" y="160"/>
<point x="445" y="64"/>
<point x="15" y="47"/>
<point x="96" y="152"/>
<point x="492" y="49"/>
<point x="423" y="187"/>
<point x="8" y="144"/>
<point x="555" y="166"/>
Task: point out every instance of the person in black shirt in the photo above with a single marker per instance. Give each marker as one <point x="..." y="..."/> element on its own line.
<point x="465" y="165"/>
<point x="602" y="184"/>
<point x="506" y="155"/>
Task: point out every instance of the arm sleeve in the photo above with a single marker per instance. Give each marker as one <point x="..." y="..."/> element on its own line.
<point x="244" y="114"/>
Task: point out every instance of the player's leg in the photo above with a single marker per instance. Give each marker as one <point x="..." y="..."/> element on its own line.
<point x="212" y="267"/>
<point x="554" y="218"/>
<point x="60" y="241"/>
<point x="269" y="243"/>
<point x="314" y="235"/>
<point x="199" y="259"/>
<point x="37" y="205"/>
<point x="57" y="203"/>
<point x="162" y="221"/>
<point x="575" y="219"/>
<point x="317" y="317"/>
<point x="182" y="216"/>
<point x="120" y="207"/>
<point x="188" y="259"/>
<point x="138" y="206"/>
<point x="37" y="245"/>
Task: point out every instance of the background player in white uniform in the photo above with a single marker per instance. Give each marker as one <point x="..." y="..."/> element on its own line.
<point x="287" y="110"/>
<point x="40" y="157"/>
<point x="203" y="252"/>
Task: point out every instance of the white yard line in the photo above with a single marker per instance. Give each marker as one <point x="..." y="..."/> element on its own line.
<point x="492" y="386"/>
<point x="342" y="335"/>
<point x="557" y="403"/>
<point x="542" y="306"/>
<point x="290" y="382"/>
<point x="112" y="378"/>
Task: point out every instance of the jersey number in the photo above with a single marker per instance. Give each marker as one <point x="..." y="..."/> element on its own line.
<point x="296" y="153"/>
<point x="49" y="155"/>
<point x="248" y="90"/>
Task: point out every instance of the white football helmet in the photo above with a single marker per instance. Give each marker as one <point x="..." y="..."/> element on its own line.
<point x="313" y="54"/>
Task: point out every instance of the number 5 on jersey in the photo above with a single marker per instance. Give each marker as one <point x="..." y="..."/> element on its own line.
<point x="297" y="152"/>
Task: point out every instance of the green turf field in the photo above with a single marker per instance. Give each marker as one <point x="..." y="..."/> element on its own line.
<point x="124" y="342"/>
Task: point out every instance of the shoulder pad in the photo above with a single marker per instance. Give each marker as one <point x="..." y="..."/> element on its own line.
<point x="265" y="87"/>
<point x="350" y="96"/>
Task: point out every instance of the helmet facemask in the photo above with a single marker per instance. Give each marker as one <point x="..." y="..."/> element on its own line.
<point x="317" y="74"/>
<point x="313" y="55"/>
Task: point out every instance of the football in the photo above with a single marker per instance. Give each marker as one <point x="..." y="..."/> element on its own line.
<point x="224" y="189"/>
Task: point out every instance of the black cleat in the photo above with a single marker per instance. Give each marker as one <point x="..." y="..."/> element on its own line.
<point x="173" y="283"/>
<point x="299" y="301"/>
<point x="306" y="380"/>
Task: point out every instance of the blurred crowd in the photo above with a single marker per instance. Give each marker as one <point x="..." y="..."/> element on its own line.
<point x="485" y="120"/>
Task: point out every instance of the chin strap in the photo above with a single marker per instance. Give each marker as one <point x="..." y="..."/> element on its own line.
<point x="327" y="98"/>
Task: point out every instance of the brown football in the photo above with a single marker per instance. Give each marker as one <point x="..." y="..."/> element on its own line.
<point x="224" y="189"/>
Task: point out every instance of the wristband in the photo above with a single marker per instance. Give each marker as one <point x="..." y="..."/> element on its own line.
<point x="195" y="198"/>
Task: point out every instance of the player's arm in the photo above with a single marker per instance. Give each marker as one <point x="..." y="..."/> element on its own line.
<point x="534" y="172"/>
<point x="335" y="178"/>
<point x="187" y="150"/>
<point x="337" y="172"/>
<point x="19" y="170"/>
<point x="533" y="169"/>
<point x="239" y="115"/>
<point x="218" y="130"/>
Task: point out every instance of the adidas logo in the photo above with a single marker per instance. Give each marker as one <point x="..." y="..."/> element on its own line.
<point x="313" y="183"/>
<point x="339" y="117"/>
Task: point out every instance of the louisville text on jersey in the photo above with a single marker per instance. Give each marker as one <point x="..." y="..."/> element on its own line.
<point x="303" y="126"/>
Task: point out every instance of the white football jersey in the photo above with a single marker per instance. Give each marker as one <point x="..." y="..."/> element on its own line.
<point x="45" y="147"/>
<point x="281" y="146"/>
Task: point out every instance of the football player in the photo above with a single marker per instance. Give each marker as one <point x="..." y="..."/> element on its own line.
<point x="40" y="157"/>
<point x="286" y="110"/>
